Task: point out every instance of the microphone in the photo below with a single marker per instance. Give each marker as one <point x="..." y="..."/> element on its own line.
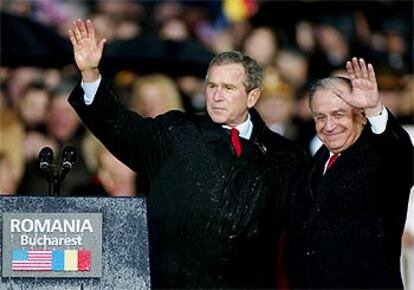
<point x="68" y="158"/>
<point x="45" y="158"/>
<point x="46" y="166"/>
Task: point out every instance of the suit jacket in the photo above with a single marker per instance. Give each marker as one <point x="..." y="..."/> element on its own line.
<point x="213" y="218"/>
<point x="346" y="226"/>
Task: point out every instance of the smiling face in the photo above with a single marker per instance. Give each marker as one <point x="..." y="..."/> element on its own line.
<point x="338" y="124"/>
<point x="226" y="96"/>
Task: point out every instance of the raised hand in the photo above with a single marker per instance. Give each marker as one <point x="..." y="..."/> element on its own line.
<point x="364" y="94"/>
<point x="87" y="51"/>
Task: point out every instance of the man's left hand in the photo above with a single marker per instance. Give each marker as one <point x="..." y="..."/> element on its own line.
<point x="364" y="94"/>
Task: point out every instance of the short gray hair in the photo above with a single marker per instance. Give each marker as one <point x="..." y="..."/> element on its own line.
<point x="253" y="72"/>
<point x="327" y="83"/>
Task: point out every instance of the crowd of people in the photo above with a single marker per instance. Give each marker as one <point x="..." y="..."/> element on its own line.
<point x="293" y="52"/>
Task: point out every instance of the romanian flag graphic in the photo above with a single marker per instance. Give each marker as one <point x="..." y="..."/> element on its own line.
<point x="51" y="260"/>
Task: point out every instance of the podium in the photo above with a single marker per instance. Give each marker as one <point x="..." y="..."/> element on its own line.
<point x="73" y="243"/>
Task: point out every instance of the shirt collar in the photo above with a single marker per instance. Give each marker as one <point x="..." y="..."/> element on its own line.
<point x="245" y="129"/>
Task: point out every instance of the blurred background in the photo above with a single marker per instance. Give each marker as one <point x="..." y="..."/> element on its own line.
<point x="156" y="58"/>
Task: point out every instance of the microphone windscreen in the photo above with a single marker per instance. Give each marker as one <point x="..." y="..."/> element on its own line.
<point x="46" y="155"/>
<point x="69" y="155"/>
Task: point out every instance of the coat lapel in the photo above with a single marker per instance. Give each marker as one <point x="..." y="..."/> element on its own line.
<point x="219" y="139"/>
<point x="311" y="186"/>
<point x="321" y="187"/>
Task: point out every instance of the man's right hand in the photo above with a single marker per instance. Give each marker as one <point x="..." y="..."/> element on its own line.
<point x="86" y="49"/>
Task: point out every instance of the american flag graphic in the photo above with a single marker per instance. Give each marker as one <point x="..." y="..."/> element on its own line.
<point x="32" y="260"/>
<point x="51" y="260"/>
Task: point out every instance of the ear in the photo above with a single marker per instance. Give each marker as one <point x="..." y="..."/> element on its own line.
<point x="361" y="116"/>
<point x="253" y="97"/>
<point x="364" y="120"/>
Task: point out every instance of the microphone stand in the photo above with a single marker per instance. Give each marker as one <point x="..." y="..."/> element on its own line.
<point x="54" y="174"/>
<point x="56" y="181"/>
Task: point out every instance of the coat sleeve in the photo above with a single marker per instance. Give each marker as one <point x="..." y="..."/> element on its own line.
<point x="138" y="142"/>
<point x="399" y="151"/>
<point x="395" y="132"/>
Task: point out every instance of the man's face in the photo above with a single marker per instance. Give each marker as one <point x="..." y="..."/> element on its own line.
<point x="151" y="102"/>
<point x="33" y="107"/>
<point x="62" y="119"/>
<point x="226" y="96"/>
<point x="338" y="124"/>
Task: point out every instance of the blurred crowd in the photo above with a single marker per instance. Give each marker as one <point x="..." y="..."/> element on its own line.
<point x="295" y="42"/>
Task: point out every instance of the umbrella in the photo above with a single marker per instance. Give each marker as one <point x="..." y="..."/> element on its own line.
<point x="148" y="53"/>
<point x="24" y="42"/>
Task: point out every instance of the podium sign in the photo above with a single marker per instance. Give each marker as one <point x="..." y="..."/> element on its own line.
<point x="77" y="243"/>
<point x="52" y="245"/>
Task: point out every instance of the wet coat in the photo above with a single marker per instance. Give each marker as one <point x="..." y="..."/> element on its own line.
<point x="214" y="219"/>
<point x="346" y="225"/>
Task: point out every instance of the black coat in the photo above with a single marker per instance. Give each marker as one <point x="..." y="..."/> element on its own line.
<point x="214" y="219"/>
<point x="346" y="226"/>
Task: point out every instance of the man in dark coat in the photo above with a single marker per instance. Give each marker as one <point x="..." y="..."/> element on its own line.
<point x="348" y="215"/>
<point x="215" y="212"/>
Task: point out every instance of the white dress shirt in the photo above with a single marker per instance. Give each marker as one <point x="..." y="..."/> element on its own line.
<point x="245" y="129"/>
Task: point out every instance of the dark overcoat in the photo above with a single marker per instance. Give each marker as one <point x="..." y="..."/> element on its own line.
<point x="214" y="219"/>
<point x="346" y="226"/>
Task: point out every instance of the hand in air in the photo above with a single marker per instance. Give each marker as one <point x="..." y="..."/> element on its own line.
<point x="364" y="94"/>
<point x="87" y="50"/>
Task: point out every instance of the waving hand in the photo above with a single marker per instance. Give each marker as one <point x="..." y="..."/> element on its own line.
<point x="364" y="93"/>
<point x="87" y="51"/>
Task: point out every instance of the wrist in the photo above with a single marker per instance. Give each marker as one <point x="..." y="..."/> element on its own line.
<point x="90" y="75"/>
<point x="375" y="111"/>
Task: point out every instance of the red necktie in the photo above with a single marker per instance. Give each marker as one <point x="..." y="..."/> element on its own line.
<point x="332" y="160"/>
<point x="235" y="141"/>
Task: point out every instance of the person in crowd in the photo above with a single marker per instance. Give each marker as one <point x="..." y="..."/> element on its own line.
<point x="111" y="177"/>
<point x="8" y="180"/>
<point x="216" y="201"/>
<point x="33" y="105"/>
<point x="11" y="149"/>
<point x="349" y="208"/>
<point x="262" y="45"/>
<point x="62" y="128"/>
<point x="276" y="103"/>
<point x="155" y="94"/>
